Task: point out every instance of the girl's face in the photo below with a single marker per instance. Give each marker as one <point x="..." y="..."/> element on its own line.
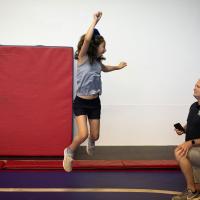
<point x="101" y="49"/>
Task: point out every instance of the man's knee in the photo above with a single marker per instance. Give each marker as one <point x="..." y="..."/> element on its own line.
<point x="176" y="154"/>
<point x="179" y="157"/>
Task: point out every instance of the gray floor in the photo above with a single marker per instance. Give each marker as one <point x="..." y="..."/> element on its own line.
<point x="128" y="153"/>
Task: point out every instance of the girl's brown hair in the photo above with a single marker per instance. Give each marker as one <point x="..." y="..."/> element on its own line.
<point x="92" y="50"/>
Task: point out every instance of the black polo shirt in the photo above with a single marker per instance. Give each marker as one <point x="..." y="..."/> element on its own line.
<point x="193" y="122"/>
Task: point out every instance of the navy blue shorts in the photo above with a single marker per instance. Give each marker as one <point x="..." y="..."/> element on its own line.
<point x="89" y="107"/>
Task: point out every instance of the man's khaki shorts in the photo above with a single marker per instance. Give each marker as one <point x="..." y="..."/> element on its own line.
<point x="194" y="157"/>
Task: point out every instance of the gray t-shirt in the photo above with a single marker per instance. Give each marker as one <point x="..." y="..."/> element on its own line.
<point x="89" y="79"/>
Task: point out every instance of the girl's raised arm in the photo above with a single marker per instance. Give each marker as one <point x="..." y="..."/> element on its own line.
<point x="88" y="36"/>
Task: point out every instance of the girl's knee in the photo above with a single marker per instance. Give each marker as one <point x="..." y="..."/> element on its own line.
<point x="83" y="136"/>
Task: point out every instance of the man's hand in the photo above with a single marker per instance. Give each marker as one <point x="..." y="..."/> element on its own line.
<point x="183" y="149"/>
<point x="178" y="131"/>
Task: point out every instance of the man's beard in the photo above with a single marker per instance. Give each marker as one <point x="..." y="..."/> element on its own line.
<point x="196" y="97"/>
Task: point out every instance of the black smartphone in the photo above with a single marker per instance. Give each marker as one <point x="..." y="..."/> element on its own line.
<point x="179" y="127"/>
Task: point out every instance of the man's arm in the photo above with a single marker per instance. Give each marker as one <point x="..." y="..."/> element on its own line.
<point x="196" y="141"/>
<point x="185" y="147"/>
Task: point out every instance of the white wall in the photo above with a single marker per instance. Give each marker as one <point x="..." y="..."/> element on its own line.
<point x="159" y="39"/>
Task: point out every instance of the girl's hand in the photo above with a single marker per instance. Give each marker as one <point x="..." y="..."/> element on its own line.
<point x="122" y="65"/>
<point x="97" y="16"/>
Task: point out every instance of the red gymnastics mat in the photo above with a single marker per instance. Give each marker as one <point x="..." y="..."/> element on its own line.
<point x="90" y="164"/>
<point x="35" y="100"/>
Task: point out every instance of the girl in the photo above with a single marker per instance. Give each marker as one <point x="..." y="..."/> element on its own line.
<point x="87" y="105"/>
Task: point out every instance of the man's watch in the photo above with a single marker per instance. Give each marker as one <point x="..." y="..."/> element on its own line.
<point x="193" y="141"/>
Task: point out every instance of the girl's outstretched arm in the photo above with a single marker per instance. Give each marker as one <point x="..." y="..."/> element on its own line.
<point x="88" y="35"/>
<point x="107" y="68"/>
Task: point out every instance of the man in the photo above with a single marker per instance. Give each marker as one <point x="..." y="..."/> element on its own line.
<point x="188" y="153"/>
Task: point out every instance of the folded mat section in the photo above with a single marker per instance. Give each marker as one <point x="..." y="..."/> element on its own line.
<point x="35" y="100"/>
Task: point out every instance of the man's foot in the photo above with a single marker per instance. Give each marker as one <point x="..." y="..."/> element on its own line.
<point x="193" y="195"/>
<point x="90" y="148"/>
<point x="187" y="195"/>
<point x="68" y="158"/>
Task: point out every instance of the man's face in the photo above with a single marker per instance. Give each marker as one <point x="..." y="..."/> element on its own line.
<point x="197" y="90"/>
